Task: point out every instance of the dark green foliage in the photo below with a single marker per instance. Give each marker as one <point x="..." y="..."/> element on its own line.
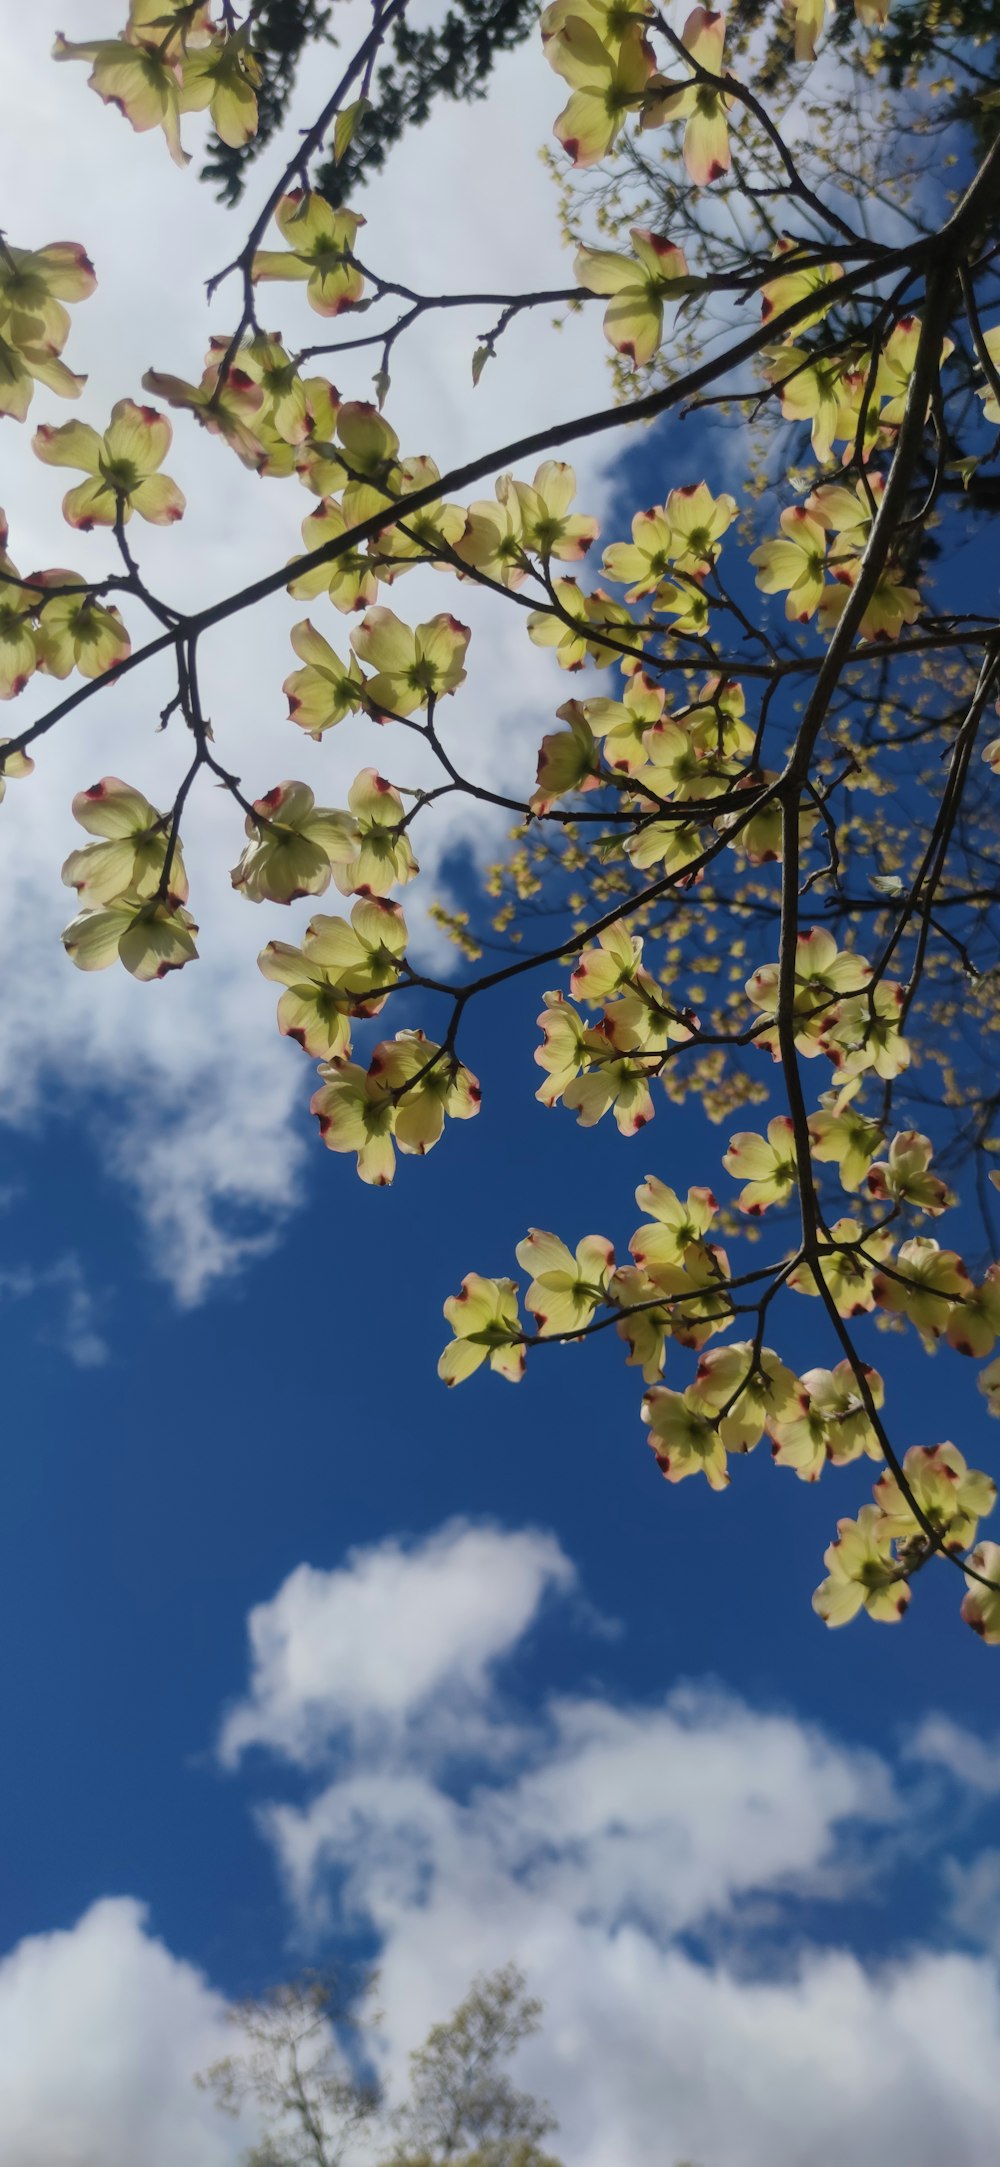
<point x="282" y="31"/>
<point x="452" y="60"/>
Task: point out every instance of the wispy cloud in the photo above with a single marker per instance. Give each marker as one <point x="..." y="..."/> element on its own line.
<point x="70" y="1308"/>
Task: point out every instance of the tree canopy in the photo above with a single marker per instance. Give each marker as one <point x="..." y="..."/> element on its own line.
<point x="302" y="2067"/>
<point x="761" y="841"/>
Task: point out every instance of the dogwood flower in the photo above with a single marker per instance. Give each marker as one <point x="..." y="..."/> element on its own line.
<point x="609" y="1083"/>
<point x="224" y="79"/>
<point x="376" y="853"/>
<point x="232" y="409"/>
<point x="607" y="82"/>
<point x="548" y="527"/>
<point x="21" y="367"/>
<point x="685" y="1439"/>
<point x="130" y="856"/>
<point x="293" y="847"/>
<point x="864" y="1573"/>
<point x="676" y="1223"/>
<point x="565" y="1289"/>
<point x="697" y="523"/>
<point x="684" y="532"/>
<point x="766" y="1164"/>
<point x="342" y="969"/>
<point x="320" y="243"/>
<point x="867" y="1033"/>
<point x="848" y="1273"/>
<point x="797" y="563"/>
<point x="848" y="514"/>
<point x="706" y="137"/>
<point x="823" y="974"/>
<point x="484" y="1319"/>
<point x="831" y="1424"/>
<point x="356" y="1112"/>
<point x="149" y="937"/>
<point x="122" y="466"/>
<point x="14" y="766"/>
<point x="745" y="1394"/>
<point x="952" y="1496"/>
<point x="836" y="1396"/>
<point x="494" y="539"/>
<point x="903" y="1178"/>
<point x="35" y="283"/>
<point x="77" y="631"/>
<point x="975" y="1321"/>
<point x="610" y="963"/>
<point x="797" y="279"/>
<point x="347" y="576"/>
<point x="640" y="286"/>
<point x="575" y="631"/>
<point x="315" y="1009"/>
<point x="21" y="645"/>
<point x="840" y="1133"/>
<point x="144" y="83"/>
<point x="397" y="548"/>
<point x="411" y="667"/>
<point x="925" y="1283"/>
<point x="644" y="1324"/>
<point x="321" y="694"/>
<point x="623" y="724"/>
<point x="812" y="389"/>
<point x="891" y="606"/>
<point x="981" y="1605"/>
<point x="426" y="1084"/>
<point x="568" y="760"/>
<point x="564" y="1047"/>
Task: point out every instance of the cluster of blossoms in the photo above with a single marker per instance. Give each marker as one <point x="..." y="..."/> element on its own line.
<point x="838" y="1009"/>
<point x="131" y="883"/>
<point x="675" y="778"/>
<point x="51" y="621"/>
<point x="604" y="54"/>
<point x="35" y="285"/>
<point x="679" y="1288"/>
<point x="175" y="57"/>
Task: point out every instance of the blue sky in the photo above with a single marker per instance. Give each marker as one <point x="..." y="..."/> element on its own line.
<point x="505" y="1693"/>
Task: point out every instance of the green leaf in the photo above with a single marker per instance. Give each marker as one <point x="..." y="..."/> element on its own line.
<point x="346" y="126"/>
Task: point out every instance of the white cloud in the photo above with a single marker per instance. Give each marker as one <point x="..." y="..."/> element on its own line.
<point x="973" y="1887"/>
<point x="600" y="1846"/>
<point x="76" y="1308"/>
<point x="649" y="1866"/>
<point x="633" y="1830"/>
<point x="974" y="1762"/>
<point x="206" y="1103"/>
<point x="102" y="2031"/>
<point x="369" y="1645"/>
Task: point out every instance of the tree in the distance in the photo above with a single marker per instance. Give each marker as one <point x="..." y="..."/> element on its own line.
<point x="463" y="2108"/>
<point x="303" y="2062"/>
<point x="300" y="2066"/>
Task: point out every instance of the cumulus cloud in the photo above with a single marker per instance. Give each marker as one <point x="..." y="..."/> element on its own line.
<point x="102" y="2031"/>
<point x="195" y="1102"/>
<point x="666" y="1873"/>
<point x="370" y="1644"/>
